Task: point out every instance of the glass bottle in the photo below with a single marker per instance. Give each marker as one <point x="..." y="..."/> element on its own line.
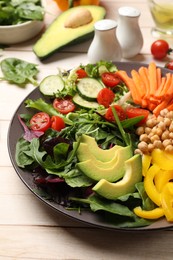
<point x="105" y="45"/>
<point x="128" y="31"/>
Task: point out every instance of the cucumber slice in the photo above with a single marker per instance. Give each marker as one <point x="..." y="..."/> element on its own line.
<point x="83" y="103"/>
<point x="51" y="85"/>
<point x="88" y="88"/>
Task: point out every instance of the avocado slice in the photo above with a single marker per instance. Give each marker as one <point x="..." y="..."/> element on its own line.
<point x="96" y="170"/>
<point x="84" y="153"/>
<point x="133" y="175"/>
<point x="58" y="36"/>
<point x="95" y="150"/>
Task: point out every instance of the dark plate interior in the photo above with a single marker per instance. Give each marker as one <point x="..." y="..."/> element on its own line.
<point x="15" y="131"/>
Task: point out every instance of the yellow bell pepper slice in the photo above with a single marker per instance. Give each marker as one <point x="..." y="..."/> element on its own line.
<point x="146" y="161"/>
<point x="149" y="186"/>
<point x="162" y="178"/>
<point x="149" y="214"/>
<point x="167" y="201"/>
<point x="163" y="159"/>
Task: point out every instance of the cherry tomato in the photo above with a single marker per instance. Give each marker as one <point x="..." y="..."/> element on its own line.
<point x="120" y="112"/>
<point x="81" y="73"/>
<point x="57" y="123"/>
<point x="160" y="49"/>
<point x="105" y="97"/>
<point x="169" y="65"/>
<point x="134" y="112"/>
<point x="40" y="122"/>
<point x="110" y="79"/>
<point x="64" y="106"/>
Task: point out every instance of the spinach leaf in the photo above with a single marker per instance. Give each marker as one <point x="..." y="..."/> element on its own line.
<point x="19" y="71"/>
<point x="23" y="159"/>
<point x="19" y="11"/>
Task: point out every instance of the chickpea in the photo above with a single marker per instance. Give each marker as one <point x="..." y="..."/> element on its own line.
<point x="165" y="135"/>
<point x="154" y="138"/>
<point x="143" y="147"/>
<point x="138" y="151"/>
<point x="167" y="121"/>
<point x="161" y="125"/>
<point x="169" y="148"/>
<point x="170" y="114"/>
<point x="158" y="144"/>
<point x="171" y="127"/>
<point x="166" y="142"/>
<point x="150" y="147"/>
<point x="140" y="130"/>
<point x="147" y="130"/>
<point x="164" y="112"/>
<point x="144" y="137"/>
<point x="151" y="123"/>
<point x="171" y="135"/>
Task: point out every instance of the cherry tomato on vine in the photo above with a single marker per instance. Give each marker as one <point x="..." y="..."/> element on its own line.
<point x="169" y="65"/>
<point x="40" y="122"/>
<point x="132" y="112"/>
<point x="160" y="49"/>
<point x="105" y="97"/>
<point x="64" y="106"/>
<point x="110" y="79"/>
<point x="57" y="123"/>
<point x="120" y="112"/>
<point x="81" y="73"/>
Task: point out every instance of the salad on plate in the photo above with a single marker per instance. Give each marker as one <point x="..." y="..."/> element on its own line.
<point x="100" y="140"/>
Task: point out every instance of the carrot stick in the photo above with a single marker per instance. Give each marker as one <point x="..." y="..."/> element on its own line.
<point x="170" y="105"/>
<point x="160" y="107"/>
<point x="152" y="74"/>
<point x="166" y="85"/>
<point x="159" y="90"/>
<point x="159" y="76"/>
<point x="140" y="86"/>
<point x="129" y="83"/>
<point x="143" y="72"/>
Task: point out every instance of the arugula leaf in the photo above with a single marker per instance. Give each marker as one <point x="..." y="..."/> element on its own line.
<point x="19" y="71"/>
<point x="34" y="152"/>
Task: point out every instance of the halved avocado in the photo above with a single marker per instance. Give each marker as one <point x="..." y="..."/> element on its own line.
<point x="58" y="36"/>
<point x="133" y="175"/>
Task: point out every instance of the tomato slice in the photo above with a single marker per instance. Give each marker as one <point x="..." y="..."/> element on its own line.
<point x="57" y="123"/>
<point x="134" y="112"/>
<point x="81" y="73"/>
<point x="120" y="112"/>
<point x="40" y="122"/>
<point x="64" y="106"/>
<point x="105" y="97"/>
<point x="110" y="79"/>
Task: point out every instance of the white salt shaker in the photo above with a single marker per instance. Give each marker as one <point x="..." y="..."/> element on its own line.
<point x="128" y="31"/>
<point x="105" y="45"/>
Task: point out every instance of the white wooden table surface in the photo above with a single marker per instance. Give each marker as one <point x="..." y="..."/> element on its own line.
<point x="28" y="228"/>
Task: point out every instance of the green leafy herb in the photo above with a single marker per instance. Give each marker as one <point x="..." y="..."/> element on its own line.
<point x="19" y="71"/>
<point x="19" y="11"/>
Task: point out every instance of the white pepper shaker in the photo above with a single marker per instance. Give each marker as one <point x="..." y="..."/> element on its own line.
<point x="128" y="31"/>
<point x="105" y="45"/>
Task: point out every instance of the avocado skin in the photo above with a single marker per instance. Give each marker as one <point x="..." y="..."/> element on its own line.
<point x="132" y="176"/>
<point x="56" y="37"/>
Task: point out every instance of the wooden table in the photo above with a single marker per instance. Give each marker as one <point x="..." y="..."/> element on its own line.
<point x="28" y="228"/>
